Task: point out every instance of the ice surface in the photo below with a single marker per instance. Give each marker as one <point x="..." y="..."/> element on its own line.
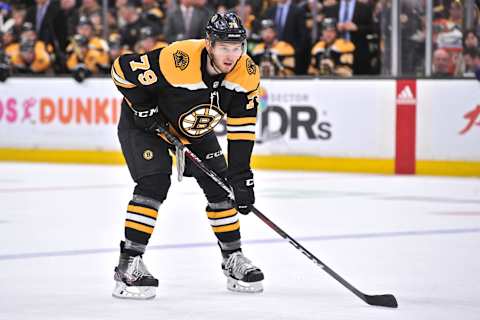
<point x="415" y="237"/>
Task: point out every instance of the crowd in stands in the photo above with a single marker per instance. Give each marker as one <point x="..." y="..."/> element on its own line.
<point x="343" y="38"/>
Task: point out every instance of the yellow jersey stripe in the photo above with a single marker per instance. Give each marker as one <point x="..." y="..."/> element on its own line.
<point x="240" y="121"/>
<point x="119" y="77"/>
<point x="227" y="228"/>
<point x="221" y="214"/>
<point x="118" y="69"/>
<point x="142" y="210"/>
<point x="138" y="227"/>
<point x="241" y="136"/>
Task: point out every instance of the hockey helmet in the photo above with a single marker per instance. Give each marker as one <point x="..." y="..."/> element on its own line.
<point x="268" y="24"/>
<point x="329" y="23"/>
<point x="225" y="27"/>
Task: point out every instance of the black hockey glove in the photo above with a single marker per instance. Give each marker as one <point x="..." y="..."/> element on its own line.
<point x="243" y="191"/>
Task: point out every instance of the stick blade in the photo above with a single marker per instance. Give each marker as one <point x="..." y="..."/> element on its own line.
<point x="384" y="300"/>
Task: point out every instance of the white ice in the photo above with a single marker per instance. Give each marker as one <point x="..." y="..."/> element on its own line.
<point x="415" y="237"/>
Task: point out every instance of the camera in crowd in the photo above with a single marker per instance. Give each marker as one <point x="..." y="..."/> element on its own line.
<point x="81" y="71"/>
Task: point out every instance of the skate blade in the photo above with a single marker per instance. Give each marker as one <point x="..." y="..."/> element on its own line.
<point x="244" y="287"/>
<point x="122" y="291"/>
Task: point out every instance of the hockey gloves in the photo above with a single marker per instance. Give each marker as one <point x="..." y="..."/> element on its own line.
<point x="243" y="191"/>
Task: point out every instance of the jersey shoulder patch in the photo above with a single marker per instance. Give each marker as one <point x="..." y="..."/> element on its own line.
<point x="245" y="77"/>
<point x="180" y="64"/>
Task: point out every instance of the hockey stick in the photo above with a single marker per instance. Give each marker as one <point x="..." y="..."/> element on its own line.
<point x="386" y="300"/>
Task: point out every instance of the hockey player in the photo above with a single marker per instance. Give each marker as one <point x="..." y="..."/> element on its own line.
<point x="87" y="54"/>
<point x="148" y="41"/>
<point x="188" y="86"/>
<point x="332" y="55"/>
<point x="275" y="57"/>
<point x="30" y="55"/>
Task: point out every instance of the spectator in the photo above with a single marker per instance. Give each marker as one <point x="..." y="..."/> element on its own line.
<point x="148" y="41"/>
<point x="204" y="5"/>
<point x="308" y="6"/>
<point x="186" y="22"/>
<point x="130" y="33"/>
<point x="274" y="57"/>
<point x="30" y="55"/>
<point x="290" y="22"/>
<point x="250" y="23"/>
<point x="5" y="10"/>
<point x="355" y="22"/>
<point x="12" y="28"/>
<point x="71" y="16"/>
<point x="441" y="63"/>
<point x="115" y="47"/>
<point x="332" y="55"/>
<point x="153" y="13"/>
<point x="470" y="56"/>
<point x="470" y="40"/>
<point x="97" y="23"/>
<point x="49" y="22"/>
<point x="412" y="35"/>
<point x="87" y="54"/>
<point x="88" y="8"/>
<point x="119" y="19"/>
<point x="455" y="14"/>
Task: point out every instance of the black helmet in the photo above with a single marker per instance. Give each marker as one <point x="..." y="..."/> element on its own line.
<point x="225" y="27"/>
<point x="329" y="23"/>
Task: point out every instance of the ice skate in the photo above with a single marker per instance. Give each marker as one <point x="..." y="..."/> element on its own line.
<point x="242" y="275"/>
<point x="133" y="280"/>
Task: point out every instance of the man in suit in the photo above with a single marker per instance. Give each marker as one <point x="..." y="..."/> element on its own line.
<point x="130" y="33"/>
<point x="355" y="22"/>
<point x="50" y="24"/>
<point x="291" y="27"/>
<point x="186" y="22"/>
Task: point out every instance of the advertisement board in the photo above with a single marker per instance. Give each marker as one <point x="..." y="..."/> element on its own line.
<point x="448" y="120"/>
<point x="298" y="117"/>
<point x="59" y="114"/>
<point x="387" y="126"/>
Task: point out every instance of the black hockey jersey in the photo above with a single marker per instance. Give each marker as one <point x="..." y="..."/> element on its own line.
<point x="174" y="82"/>
<point x="278" y="60"/>
<point x="338" y="55"/>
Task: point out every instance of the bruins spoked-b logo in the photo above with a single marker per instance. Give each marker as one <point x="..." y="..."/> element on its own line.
<point x="251" y="67"/>
<point x="181" y="59"/>
<point x="200" y="120"/>
<point x="148" y="154"/>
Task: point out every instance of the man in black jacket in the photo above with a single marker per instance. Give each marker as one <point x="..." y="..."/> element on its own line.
<point x="49" y="22"/>
<point x="291" y="27"/>
<point x="51" y="28"/>
<point x="355" y="22"/>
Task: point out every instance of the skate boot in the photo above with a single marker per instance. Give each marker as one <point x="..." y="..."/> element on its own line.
<point x="133" y="280"/>
<point x="242" y="275"/>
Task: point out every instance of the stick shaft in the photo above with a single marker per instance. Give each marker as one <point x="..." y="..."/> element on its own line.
<point x="209" y="172"/>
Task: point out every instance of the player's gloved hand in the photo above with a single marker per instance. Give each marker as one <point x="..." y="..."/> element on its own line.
<point x="242" y="186"/>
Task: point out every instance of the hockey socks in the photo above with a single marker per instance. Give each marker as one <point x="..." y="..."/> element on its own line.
<point x="226" y="226"/>
<point x="141" y="218"/>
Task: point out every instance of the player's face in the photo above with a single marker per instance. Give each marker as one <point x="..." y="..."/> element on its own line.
<point x="268" y="35"/>
<point x="329" y="35"/>
<point x="226" y="55"/>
